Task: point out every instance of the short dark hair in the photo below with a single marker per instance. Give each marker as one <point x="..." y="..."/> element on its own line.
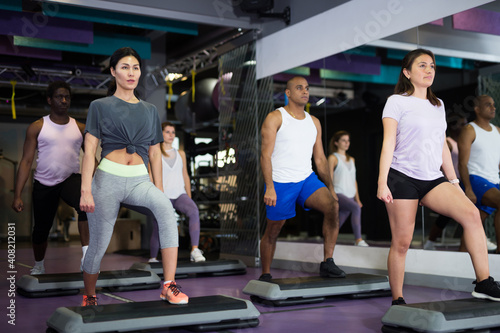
<point x="53" y="86"/>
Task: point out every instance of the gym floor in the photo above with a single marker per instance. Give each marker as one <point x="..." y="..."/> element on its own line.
<point x="336" y="314"/>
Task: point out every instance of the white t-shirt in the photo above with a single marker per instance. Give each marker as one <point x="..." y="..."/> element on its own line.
<point x="420" y="136"/>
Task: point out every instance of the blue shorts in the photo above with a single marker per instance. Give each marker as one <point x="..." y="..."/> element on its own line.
<point x="480" y="186"/>
<point x="288" y="194"/>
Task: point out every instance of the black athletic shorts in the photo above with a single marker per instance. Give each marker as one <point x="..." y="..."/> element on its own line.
<point x="404" y="187"/>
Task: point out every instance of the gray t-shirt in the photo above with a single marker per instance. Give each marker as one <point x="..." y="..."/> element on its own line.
<point x="119" y="124"/>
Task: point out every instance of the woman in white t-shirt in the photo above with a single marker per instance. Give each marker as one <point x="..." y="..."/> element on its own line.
<point x="343" y="170"/>
<point x="177" y="187"/>
<point x="413" y="153"/>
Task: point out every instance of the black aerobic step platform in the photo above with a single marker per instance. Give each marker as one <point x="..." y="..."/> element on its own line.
<point x="184" y="269"/>
<point x="46" y="285"/>
<point x="202" y="313"/>
<point x="459" y="315"/>
<point x="313" y="289"/>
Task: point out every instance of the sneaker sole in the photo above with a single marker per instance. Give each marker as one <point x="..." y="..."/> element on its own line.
<point x="332" y="276"/>
<point x="484" y="296"/>
<point x="198" y="260"/>
<point x="178" y="303"/>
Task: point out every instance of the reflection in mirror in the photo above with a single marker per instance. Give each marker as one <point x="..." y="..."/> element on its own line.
<point x="346" y="94"/>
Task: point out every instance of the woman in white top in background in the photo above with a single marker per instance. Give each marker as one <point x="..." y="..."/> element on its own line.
<point x="343" y="171"/>
<point x="177" y="187"/>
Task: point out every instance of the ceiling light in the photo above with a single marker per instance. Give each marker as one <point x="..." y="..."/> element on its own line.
<point x="173" y="76"/>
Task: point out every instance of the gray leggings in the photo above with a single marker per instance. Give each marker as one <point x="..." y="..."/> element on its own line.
<point x="109" y="192"/>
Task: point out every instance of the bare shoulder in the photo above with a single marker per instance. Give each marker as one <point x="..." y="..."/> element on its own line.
<point x="273" y="119"/>
<point x="35" y="127"/>
<point x="182" y="153"/>
<point x="333" y="158"/>
<point x="81" y="126"/>
<point x="315" y="120"/>
<point x="467" y="134"/>
<point x="274" y="115"/>
<point x="468" y="130"/>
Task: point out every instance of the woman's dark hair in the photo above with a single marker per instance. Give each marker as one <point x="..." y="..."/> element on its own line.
<point x="53" y="86"/>
<point x="163" y="125"/>
<point x="332" y="147"/>
<point x="404" y="85"/>
<point x="113" y="61"/>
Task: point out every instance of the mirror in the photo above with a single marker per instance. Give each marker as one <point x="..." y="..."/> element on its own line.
<point x="348" y="92"/>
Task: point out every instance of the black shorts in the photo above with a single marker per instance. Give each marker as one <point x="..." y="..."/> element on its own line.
<point x="404" y="187"/>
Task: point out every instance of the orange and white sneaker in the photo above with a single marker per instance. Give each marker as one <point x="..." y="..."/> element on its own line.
<point x="89" y="300"/>
<point x="172" y="293"/>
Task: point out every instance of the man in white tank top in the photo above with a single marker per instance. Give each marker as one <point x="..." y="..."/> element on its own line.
<point x="290" y="138"/>
<point x="479" y="160"/>
<point x="58" y="139"/>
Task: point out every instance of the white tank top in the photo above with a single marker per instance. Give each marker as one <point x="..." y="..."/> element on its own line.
<point x="291" y="158"/>
<point x="344" y="177"/>
<point x="484" y="157"/>
<point x="173" y="181"/>
<point x="58" y="151"/>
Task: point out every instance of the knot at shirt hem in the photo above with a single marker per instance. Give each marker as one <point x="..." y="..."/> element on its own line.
<point x="131" y="149"/>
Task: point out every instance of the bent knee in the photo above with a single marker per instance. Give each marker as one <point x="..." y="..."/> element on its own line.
<point x="470" y="217"/>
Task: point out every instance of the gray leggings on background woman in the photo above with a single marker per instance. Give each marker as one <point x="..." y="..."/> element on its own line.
<point x="109" y="192"/>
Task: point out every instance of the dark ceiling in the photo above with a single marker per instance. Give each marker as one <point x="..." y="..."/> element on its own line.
<point x="178" y="50"/>
<point x="30" y="100"/>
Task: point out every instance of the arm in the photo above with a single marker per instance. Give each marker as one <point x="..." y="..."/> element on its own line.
<point x="268" y="132"/>
<point x="23" y="173"/>
<point x="498" y="128"/>
<point x="88" y="167"/>
<point x="185" y="176"/>
<point x="321" y="161"/>
<point x="447" y="166"/>
<point x="81" y="127"/>
<point x="356" y="196"/>
<point x="465" y="140"/>
<point x="389" y="144"/>
<point x="332" y="164"/>
<point x="156" y="168"/>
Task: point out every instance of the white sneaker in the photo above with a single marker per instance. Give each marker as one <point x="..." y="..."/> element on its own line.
<point x="151" y="260"/>
<point x="197" y="255"/>
<point x="429" y="245"/>
<point x="491" y="246"/>
<point x="37" y="270"/>
<point x="362" y="243"/>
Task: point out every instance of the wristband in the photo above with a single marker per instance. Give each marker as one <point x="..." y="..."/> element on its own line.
<point x="454" y="181"/>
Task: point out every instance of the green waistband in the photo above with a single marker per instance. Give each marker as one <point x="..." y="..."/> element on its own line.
<point x="122" y="170"/>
